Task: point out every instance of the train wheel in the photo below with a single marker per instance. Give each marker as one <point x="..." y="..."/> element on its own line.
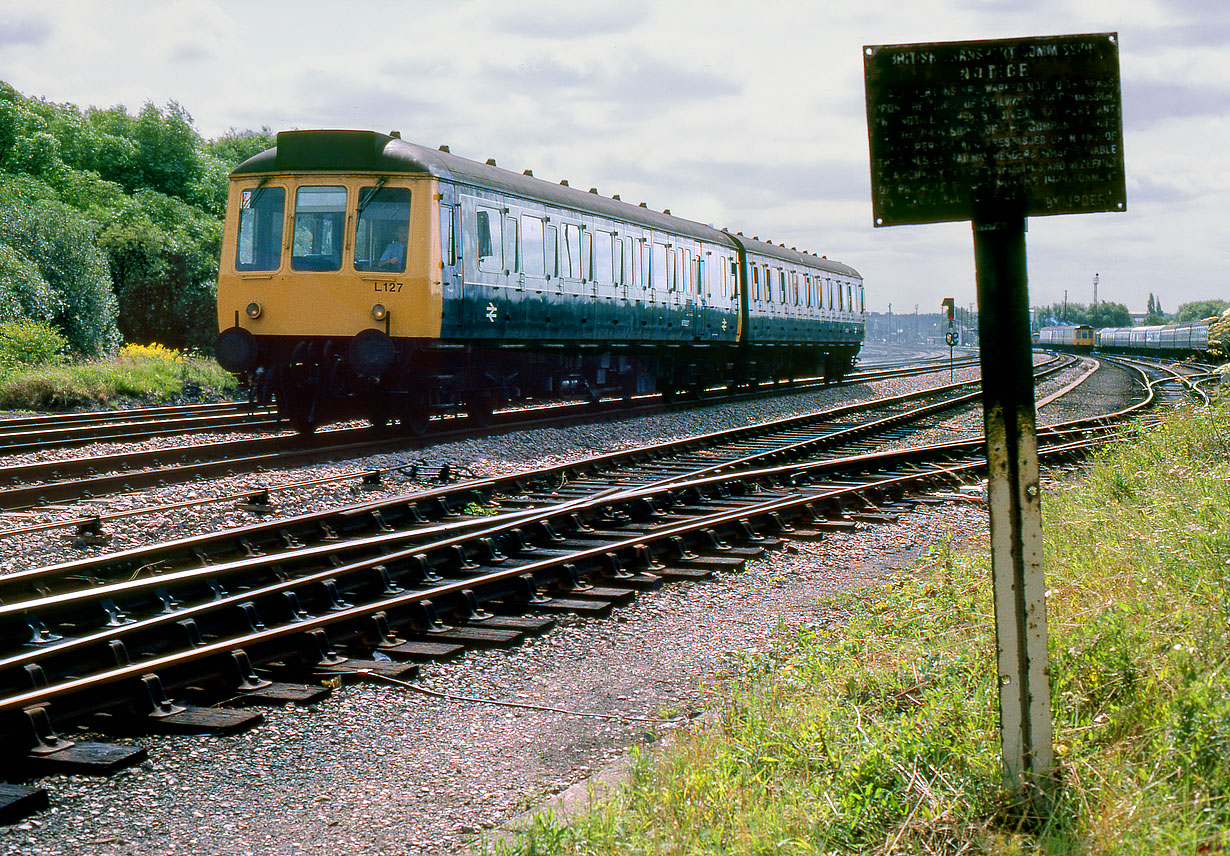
<point x="302" y="420"/>
<point x="415" y="418"/>
<point x="378" y="413"/>
<point x="299" y="408"/>
<point x="481" y="409"/>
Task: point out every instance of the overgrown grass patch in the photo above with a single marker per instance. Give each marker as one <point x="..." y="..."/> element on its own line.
<point x="147" y="373"/>
<point x="881" y="736"/>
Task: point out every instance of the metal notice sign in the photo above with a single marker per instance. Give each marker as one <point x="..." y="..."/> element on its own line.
<point x="1038" y="117"/>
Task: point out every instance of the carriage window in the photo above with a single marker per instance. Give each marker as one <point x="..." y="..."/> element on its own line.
<point x="490" y="240"/>
<point x="260" y="229"/>
<point x="587" y="255"/>
<point x="603" y="257"/>
<point x="629" y="252"/>
<point x="794" y="286"/>
<point x="685" y="268"/>
<point x="570" y="252"/>
<point x="552" y="253"/>
<point x="755" y="283"/>
<point x="383" y="229"/>
<point x="510" y="245"/>
<point x="657" y="267"/>
<point x="320" y="217"/>
<point x="448" y="237"/>
<point x="638" y="278"/>
<point x="781" y="286"/>
<point x="532" y="260"/>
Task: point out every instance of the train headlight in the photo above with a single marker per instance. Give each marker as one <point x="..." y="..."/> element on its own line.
<point x="253" y="310"/>
<point x="379" y="312"/>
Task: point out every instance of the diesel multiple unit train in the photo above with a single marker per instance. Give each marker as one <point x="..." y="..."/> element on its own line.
<point x="1166" y="339"/>
<point x="364" y="275"/>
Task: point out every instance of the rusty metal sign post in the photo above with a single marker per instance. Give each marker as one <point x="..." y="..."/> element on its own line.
<point x="995" y="132"/>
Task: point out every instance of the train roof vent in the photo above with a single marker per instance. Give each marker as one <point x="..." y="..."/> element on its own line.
<point x="564" y="182"/>
<point x="444" y="148"/>
<point x="666" y="211"/>
<point x="643" y="205"/>
<point x="395" y="134"/>
<point x="528" y="172"/>
<point x="594" y="191"/>
<point x="616" y="196"/>
<point x="490" y="161"/>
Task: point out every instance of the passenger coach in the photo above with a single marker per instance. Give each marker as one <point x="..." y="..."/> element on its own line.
<point x="362" y="274"/>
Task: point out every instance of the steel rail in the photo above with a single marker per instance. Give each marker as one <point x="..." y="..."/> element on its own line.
<point x="550" y="568"/>
<point x="41" y="483"/>
<point x="305" y="526"/>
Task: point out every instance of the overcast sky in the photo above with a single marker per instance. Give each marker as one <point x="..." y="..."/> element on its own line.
<point x="748" y="115"/>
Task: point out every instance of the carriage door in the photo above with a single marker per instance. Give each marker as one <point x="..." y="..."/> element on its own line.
<point x="485" y="303"/>
<point x="450" y="255"/>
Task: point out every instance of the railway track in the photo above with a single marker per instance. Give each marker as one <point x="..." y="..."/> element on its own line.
<point x="26" y="434"/>
<point x="41" y="483"/>
<point x="134" y="641"/>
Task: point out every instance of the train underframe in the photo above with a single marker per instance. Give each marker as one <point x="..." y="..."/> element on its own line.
<point x="386" y="381"/>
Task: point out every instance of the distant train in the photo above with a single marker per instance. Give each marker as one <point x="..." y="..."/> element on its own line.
<point x="1171" y="339"/>
<point x="1167" y="339"/>
<point x="365" y="275"/>
<point x="1069" y="337"/>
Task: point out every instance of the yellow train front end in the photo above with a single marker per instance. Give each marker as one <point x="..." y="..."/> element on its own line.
<point x="326" y="275"/>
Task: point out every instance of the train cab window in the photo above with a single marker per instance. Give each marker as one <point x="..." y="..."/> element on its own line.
<point x="383" y="229"/>
<point x="604" y="259"/>
<point x="490" y="240"/>
<point x="532" y="246"/>
<point x="260" y="229"/>
<point x="320" y="218"/>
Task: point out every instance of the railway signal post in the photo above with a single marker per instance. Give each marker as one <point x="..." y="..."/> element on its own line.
<point x="951" y="336"/>
<point x="994" y="132"/>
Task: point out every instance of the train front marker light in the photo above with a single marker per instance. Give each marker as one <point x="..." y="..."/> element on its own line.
<point x="253" y="310"/>
<point x="379" y="312"/>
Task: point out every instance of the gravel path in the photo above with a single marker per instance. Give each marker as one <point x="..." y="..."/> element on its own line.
<point x="386" y="770"/>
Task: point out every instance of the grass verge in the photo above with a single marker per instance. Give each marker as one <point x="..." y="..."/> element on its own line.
<point x="881" y="736"/>
<point x="149" y="374"/>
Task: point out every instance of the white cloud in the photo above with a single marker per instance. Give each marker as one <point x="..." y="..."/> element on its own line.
<point x="747" y="116"/>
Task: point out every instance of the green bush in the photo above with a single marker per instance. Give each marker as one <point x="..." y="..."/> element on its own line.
<point x="30" y="343"/>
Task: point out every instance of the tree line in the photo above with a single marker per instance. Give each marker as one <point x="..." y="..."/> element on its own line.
<point x="1110" y="314"/>
<point x="111" y="224"/>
